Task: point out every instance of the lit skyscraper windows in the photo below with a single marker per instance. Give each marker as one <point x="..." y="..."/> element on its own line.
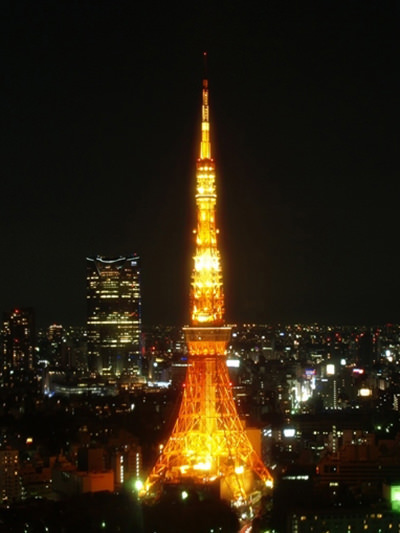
<point x="113" y="314"/>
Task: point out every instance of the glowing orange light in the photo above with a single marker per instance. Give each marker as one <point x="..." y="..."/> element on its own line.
<point x="208" y="441"/>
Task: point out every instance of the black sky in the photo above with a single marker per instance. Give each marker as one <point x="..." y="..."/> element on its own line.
<point x="101" y="110"/>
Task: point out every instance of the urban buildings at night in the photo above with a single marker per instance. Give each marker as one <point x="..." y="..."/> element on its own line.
<point x="19" y="339"/>
<point x="325" y="398"/>
<point x="10" y="483"/>
<point x="257" y="428"/>
<point x="113" y="314"/>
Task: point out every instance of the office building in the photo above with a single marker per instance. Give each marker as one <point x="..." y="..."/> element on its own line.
<point x="19" y="339"/>
<point x="113" y="314"/>
<point x="10" y="486"/>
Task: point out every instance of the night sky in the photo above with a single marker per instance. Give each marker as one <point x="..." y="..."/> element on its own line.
<point x="100" y="106"/>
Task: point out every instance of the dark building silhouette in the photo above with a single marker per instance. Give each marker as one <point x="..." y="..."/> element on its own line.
<point x="366" y="349"/>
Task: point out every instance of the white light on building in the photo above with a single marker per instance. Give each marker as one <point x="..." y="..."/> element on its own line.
<point x="330" y="369"/>
<point x="289" y="432"/>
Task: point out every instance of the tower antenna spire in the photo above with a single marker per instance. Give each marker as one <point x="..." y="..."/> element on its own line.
<point x="205" y="145"/>
<point x="205" y="69"/>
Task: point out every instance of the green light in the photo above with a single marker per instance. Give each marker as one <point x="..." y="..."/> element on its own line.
<point x="138" y="485"/>
<point x="184" y="495"/>
<point x="395" y="497"/>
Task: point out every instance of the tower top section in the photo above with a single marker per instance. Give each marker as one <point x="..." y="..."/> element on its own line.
<point x="205" y="144"/>
<point x="207" y="299"/>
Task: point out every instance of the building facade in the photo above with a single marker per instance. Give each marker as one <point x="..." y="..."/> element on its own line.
<point x="113" y="314"/>
<point x="10" y="486"/>
<point x="19" y="339"/>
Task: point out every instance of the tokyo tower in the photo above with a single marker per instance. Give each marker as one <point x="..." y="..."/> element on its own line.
<point x="208" y="441"/>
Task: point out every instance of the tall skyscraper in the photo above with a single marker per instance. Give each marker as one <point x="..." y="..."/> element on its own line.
<point x="113" y="314"/>
<point x="19" y="339"/>
<point x="10" y="484"/>
<point x="208" y="443"/>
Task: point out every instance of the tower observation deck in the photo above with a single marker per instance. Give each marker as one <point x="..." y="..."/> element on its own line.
<point x="208" y="442"/>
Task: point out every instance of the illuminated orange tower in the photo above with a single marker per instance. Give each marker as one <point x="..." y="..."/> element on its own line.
<point x="208" y="441"/>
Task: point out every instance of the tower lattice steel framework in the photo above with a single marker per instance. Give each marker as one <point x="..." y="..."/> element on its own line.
<point x="208" y="441"/>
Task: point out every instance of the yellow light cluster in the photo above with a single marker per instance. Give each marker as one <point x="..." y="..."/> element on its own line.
<point x="207" y="299"/>
<point x="207" y="348"/>
<point x="202" y="466"/>
<point x="206" y="262"/>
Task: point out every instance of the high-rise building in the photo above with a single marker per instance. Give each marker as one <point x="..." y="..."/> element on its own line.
<point x="10" y="486"/>
<point x="126" y="462"/>
<point x="209" y="443"/>
<point x="19" y="339"/>
<point x="113" y="314"/>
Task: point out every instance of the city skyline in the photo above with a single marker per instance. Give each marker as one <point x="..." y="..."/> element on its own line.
<point x="100" y="146"/>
